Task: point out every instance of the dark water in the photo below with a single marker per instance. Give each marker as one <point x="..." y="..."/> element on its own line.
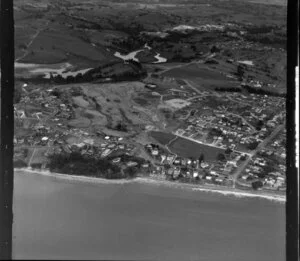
<point x="59" y="219"/>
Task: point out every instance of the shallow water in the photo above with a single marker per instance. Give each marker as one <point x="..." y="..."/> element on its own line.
<point x="73" y="220"/>
<point x="160" y="59"/>
<point x="132" y="55"/>
<point x="128" y="56"/>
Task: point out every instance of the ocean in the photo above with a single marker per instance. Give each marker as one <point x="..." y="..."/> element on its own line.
<point x="66" y="219"/>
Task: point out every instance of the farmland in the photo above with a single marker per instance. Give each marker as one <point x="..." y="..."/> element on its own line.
<point x="194" y="71"/>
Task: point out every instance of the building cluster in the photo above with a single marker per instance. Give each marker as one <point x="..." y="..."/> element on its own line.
<point x="172" y="166"/>
<point x="233" y="122"/>
<point x="103" y="149"/>
<point x="44" y="105"/>
<point x="240" y="125"/>
<point x="269" y="166"/>
<point x="40" y="135"/>
<point x="42" y="116"/>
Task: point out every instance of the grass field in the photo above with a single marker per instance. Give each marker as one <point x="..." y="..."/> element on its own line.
<point x="162" y="137"/>
<point x="186" y="148"/>
<point x="194" y="71"/>
<point x="202" y="77"/>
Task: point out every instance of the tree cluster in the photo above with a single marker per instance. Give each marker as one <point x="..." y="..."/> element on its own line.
<point x="230" y="89"/>
<point x="263" y="92"/>
<point x="257" y="184"/>
<point x="75" y="163"/>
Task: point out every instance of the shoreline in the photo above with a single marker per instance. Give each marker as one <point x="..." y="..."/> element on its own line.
<point x="147" y="180"/>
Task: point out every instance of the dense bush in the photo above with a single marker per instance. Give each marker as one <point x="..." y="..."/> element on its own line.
<point x="257" y="184"/>
<point x="263" y="91"/>
<point x="17" y="94"/>
<point x="75" y="163"/>
<point x="19" y="164"/>
<point x="230" y="89"/>
<point x="252" y="145"/>
<point x="221" y="157"/>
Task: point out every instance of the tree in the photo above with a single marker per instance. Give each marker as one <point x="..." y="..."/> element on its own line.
<point x="36" y="165"/>
<point x="214" y="49"/>
<point x="22" y="46"/>
<point x="201" y="157"/>
<point x="19" y="163"/>
<point x="243" y="157"/>
<point x="78" y="77"/>
<point x="70" y="79"/>
<point x="252" y="145"/>
<point x="58" y="78"/>
<point x="131" y="171"/>
<point x="221" y="157"/>
<point x="240" y="71"/>
<point x="259" y="125"/>
<point x="228" y="151"/>
<point x="184" y="169"/>
<point x="17" y="94"/>
<point x="121" y="127"/>
<point x="257" y="184"/>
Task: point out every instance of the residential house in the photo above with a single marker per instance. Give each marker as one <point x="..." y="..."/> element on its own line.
<point x="116" y="160"/>
<point x="155" y="152"/>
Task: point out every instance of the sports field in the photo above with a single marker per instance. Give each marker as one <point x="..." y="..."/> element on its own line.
<point x="162" y="137"/>
<point x="186" y="148"/>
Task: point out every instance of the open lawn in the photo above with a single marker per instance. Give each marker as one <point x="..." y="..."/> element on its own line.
<point x="201" y="77"/>
<point x="162" y="137"/>
<point x="186" y="148"/>
<point x="194" y="71"/>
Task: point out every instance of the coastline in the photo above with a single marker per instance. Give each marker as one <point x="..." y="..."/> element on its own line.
<point x="226" y="191"/>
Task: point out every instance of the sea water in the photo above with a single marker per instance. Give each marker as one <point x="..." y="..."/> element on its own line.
<point x="67" y="219"/>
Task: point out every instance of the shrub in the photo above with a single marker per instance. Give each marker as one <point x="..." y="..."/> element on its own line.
<point x="257" y="184"/>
